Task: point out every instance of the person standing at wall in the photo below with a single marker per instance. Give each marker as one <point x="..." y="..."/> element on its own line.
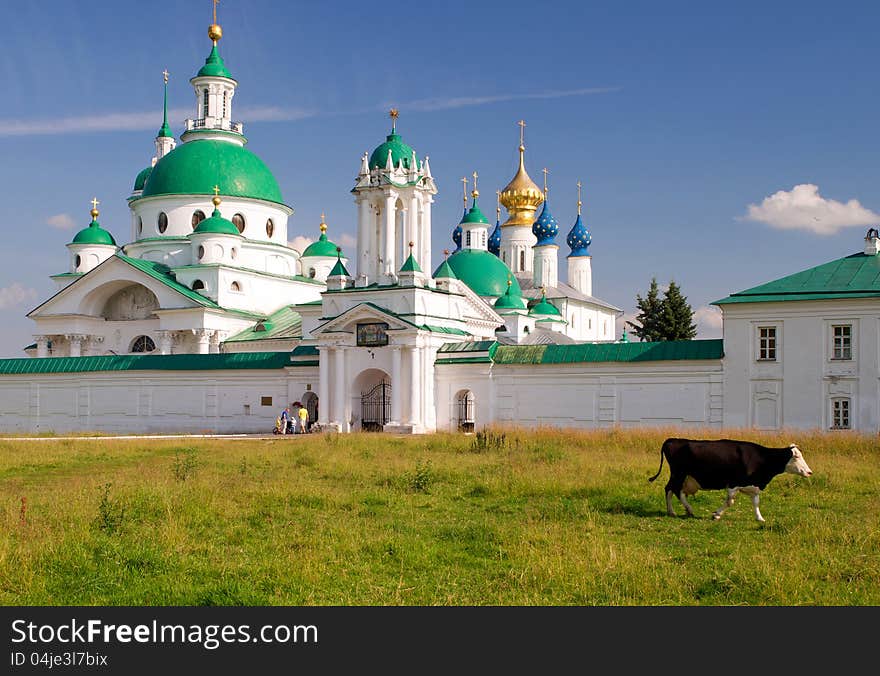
<point x="303" y="414"/>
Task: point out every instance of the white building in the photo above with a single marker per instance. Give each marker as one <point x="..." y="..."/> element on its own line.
<point x="206" y="320"/>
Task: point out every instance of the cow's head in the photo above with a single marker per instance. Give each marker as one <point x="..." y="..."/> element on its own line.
<point x="797" y="464"/>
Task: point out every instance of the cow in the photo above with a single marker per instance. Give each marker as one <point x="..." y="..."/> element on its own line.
<point x="725" y="464"/>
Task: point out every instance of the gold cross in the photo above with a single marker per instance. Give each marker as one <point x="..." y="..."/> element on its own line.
<point x="522" y="129"/>
<point x="216" y="2"/>
<point x="579" y="197"/>
<point x="546" y="171"/>
<point x="476" y="193"/>
<point x="394" y="114"/>
<point x="216" y="190"/>
<point x="95" y="203"/>
<point x="498" y="203"/>
<point x="464" y="182"/>
<point x="165" y="74"/>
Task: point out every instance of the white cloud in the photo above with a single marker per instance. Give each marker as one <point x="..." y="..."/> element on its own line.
<point x="300" y="243"/>
<point x="429" y="105"/>
<point x="803" y="208"/>
<point x="61" y="221"/>
<point x="708" y="321"/>
<point x="346" y="241"/>
<point x="15" y="294"/>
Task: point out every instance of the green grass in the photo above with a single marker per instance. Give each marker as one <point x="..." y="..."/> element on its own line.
<point x="542" y="517"/>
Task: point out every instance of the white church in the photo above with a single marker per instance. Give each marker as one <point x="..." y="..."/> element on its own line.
<point x="206" y="320"/>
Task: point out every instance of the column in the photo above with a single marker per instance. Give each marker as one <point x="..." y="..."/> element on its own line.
<point x="165" y="341"/>
<point x="94" y="346"/>
<point x="215" y="341"/>
<point x="339" y="387"/>
<point x="425" y="234"/>
<point x="396" y="385"/>
<point x="389" y="266"/>
<point x="42" y="345"/>
<point x="414" y="233"/>
<point x="76" y="341"/>
<point x="414" y="386"/>
<point x="363" y="243"/>
<point x="430" y="419"/>
<point x="202" y="339"/>
<point x="323" y="385"/>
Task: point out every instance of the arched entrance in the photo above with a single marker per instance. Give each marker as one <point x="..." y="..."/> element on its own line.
<point x="310" y="401"/>
<point x="372" y="393"/>
<point x="464" y="411"/>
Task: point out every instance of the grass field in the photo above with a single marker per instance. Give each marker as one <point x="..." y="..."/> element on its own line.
<point x="542" y="517"/>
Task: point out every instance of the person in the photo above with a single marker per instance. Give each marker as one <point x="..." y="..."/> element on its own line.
<point x="285" y="420"/>
<point x="303" y="414"/>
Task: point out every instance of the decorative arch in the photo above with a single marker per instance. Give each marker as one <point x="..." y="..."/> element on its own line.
<point x="122" y="302"/>
<point x="371" y="400"/>
<point x="465" y="411"/>
<point x="142" y="344"/>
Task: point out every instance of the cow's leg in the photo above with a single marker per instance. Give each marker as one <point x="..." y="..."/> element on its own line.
<point x="674" y="487"/>
<point x="684" y="501"/>
<point x="755" y="492"/>
<point x="731" y="493"/>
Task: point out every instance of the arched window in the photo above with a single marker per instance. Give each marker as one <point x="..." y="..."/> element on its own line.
<point x="198" y="217"/>
<point x="522" y="260"/>
<point x="140" y="225"/>
<point x="201" y="252"/>
<point x="205" y="102"/>
<point x="465" y="411"/>
<point x="78" y="261"/>
<point x="238" y="221"/>
<point x="163" y="222"/>
<point x="143" y="344"/>
<point x="467" y="239"/>
<point x="483" y="239"/>
<point x="198" y="285"/>
<point x="235" y="286"/>
<point x="225" y="113"/>
<point x="503" y="256"/>
<point x="270" y="227"/>
<point x="312" y="273"/>
<point x="234" y="253"/>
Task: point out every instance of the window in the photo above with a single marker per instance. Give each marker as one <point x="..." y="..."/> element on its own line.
<point x="467" y="239"/>
<point x="225" y="95"/>
<point x="265" y="401"/>
<point x="841" y="342"/>
<point x="270" y="228"/>
<point x="205" y="102"/>
<point x="522" y="260"/>
<point x="483" y="239"/>
<point x="143" y="344"/>
<point x="198" y="217"/>
<point x="163" y="222"/>
<point x="78" y="261"/>
<point x="503" y="256"/>
<point x="140" y="225"/>
<point x="840" y="414"/>
<point x="766" y="343"/>
<point x="198" y="285"/>
<point x="312" y="273"/>
<point x="201" y="252"/>
<point x="235" y="286"/>
<point x="238" y="221"/>
<point x="234" y="253"/>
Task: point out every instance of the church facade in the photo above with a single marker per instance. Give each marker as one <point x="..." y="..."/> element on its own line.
<point x="207" y="321"/>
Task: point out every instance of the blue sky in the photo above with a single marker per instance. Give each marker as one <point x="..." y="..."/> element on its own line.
<point x="720" y="145"/>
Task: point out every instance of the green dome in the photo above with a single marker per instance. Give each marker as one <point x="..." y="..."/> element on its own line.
<point x="323" y="247"/>
<point x="94" y="234"/>
<point x="542" y="307"/>
<point x="482" y="271"/>
<point x="399" y="151"/>
<point x="194" y="168"/>
<point x="214" y="66"/>
<point x="217" y="225"/>
<point x="510" y="301"/>
<point x="142" y="178"/>
<point x="475" y="215"/>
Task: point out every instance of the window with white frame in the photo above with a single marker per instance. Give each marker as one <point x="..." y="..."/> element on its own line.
<point x="840" y="408"/>
<point x="766" y="343"/>
<point x="841" y="341"/>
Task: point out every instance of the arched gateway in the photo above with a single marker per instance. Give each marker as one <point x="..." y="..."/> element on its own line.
<point x="372" y="393"/>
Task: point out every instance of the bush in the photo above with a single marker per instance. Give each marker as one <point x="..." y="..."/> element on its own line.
<point x="111" y="513"/>
<point x="185" y="464"/>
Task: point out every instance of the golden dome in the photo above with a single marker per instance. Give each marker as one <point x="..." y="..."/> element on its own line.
<point x="522" y="196"/>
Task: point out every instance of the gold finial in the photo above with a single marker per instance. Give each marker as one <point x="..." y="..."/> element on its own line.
<point x="498" y="205"/>
<point x="216" y="199"/>
<point x="393" y="114"/>
<point x="214" y="30"/>
<point x="543" y="292"/>
<point x="579" y="198"/>
<point x="509" y="282"/>
<point x="446" y="253"/>
<point x="475" y="193"/>
<point x="94" y="212"/>
<point x="546" y="171"/>
<point x="165" y="75"/>
<point x="411" y="245"/>
<point x="464" y="183"/>
<point x="323" y="225"/>
<point x="522" y="129"/>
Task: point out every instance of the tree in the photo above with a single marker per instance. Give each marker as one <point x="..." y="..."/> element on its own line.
<point x="649" y="317"/>
<point x="667" y="318"/>
<point x="677" y="318"/>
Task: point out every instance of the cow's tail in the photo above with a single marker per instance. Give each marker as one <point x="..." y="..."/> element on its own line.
<point x="662" y="455"/>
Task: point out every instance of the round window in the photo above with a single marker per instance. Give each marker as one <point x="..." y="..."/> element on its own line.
<point x="201" y="252"/>
<point x="197" y="218"/>
<point x="270" y="227"/>
<point x="163" y="221"/>
<point x="238" y="221"/>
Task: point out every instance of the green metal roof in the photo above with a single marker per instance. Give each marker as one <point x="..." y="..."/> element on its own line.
<point x="305" y="351"/>
<point x="281" y="324"/>
<point x="323" y="247"/>
<point x="142" y="178"/>
<point x="510" y="301"/>
<point x="194" y="168"/>
<point x="469" y="346"/>
<point x="411" y="265"/>
<point x="855" y="276"/>
<point x="164" y="274"/>
<point x="444" y="271"/>
<point x="217" y="225"/>
<point x="93" y="234"/>
<point x="482" y="271"/>
<point x="475" y="215"/>
<point x="339" y="270"/>
<point x="673" y="350"/>
<point x="147" y="362"/>
<point x="214" y="66"/>
<point x="399" y="151"/>
<point x="444" y="329"/>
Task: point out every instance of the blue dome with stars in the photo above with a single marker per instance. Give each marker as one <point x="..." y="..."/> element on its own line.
<point x="495" y="240"/>
<point x="579" y="239"/>
<point x="456" y="234"/>
<point x="545" y="228"/>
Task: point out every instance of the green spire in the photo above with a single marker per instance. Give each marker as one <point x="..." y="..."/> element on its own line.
<point x="411" y="265"/>
<point x="214" y="66"/>
<point x="445" y="270"/>
<point x="165" y="130"/>
<point x="339" y="269"/>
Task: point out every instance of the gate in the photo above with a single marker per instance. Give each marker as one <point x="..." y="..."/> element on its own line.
<point x="466" y="411"/>
<point x="376" y="407"/>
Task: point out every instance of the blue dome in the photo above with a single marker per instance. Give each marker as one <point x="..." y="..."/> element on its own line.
<point x="456" y="234"/>
<point x="545" y="228"/>
<point x="495" y="239"/>
<point x="579" y="239"/>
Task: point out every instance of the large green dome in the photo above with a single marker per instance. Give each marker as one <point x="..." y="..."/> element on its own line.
<point x="399" y="151"/>
<point x="194" y="168"/>
<point x="483" y="272"/>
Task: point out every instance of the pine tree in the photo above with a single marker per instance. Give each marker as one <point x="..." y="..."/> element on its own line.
<point x="677" y="316"/>
<point x="650" y="314"/>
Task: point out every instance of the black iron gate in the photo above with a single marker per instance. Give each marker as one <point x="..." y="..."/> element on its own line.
<point x="466" y="412"/>
<point x="376" y="407"/>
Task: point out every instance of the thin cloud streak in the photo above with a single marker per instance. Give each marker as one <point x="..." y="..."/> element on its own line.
<point x="435" y="104"/>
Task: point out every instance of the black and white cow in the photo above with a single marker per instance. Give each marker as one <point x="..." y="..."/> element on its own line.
<point x="725" y="464"/>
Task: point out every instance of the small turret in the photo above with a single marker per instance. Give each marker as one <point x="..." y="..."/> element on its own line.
<point x="580" y="271"/>
<point x="91" y="246"/>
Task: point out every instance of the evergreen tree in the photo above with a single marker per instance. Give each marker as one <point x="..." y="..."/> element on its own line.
<point x="677" y="317"/>
<point x="650" y="314"/>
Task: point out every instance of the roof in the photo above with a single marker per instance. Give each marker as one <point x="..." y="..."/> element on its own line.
<point x="444" y="271"/>
<point x="93" y="234"/>
<point x="147" y="362"/>
<point x="164" y="274"/>
<point x="545" y="228"/>
<point x="855" y="276"/>
<point x="322" y="247"/>
<point x="411" y="265"/>
<point x="194" y="168"/>
<point x="216" y="225"/>
<point x="399" y="151"/>
<point x="142" y="177"/>
<point x="483" y="272"/>
<point x="339" y="269"/>
<point x="283" y="323"/>
<point x="214" y="66"/>
<point x="561" y="290"/>
<point x="673" y="350"/>
<point x="475" y="215"/>
<point x="579" y="239"/>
